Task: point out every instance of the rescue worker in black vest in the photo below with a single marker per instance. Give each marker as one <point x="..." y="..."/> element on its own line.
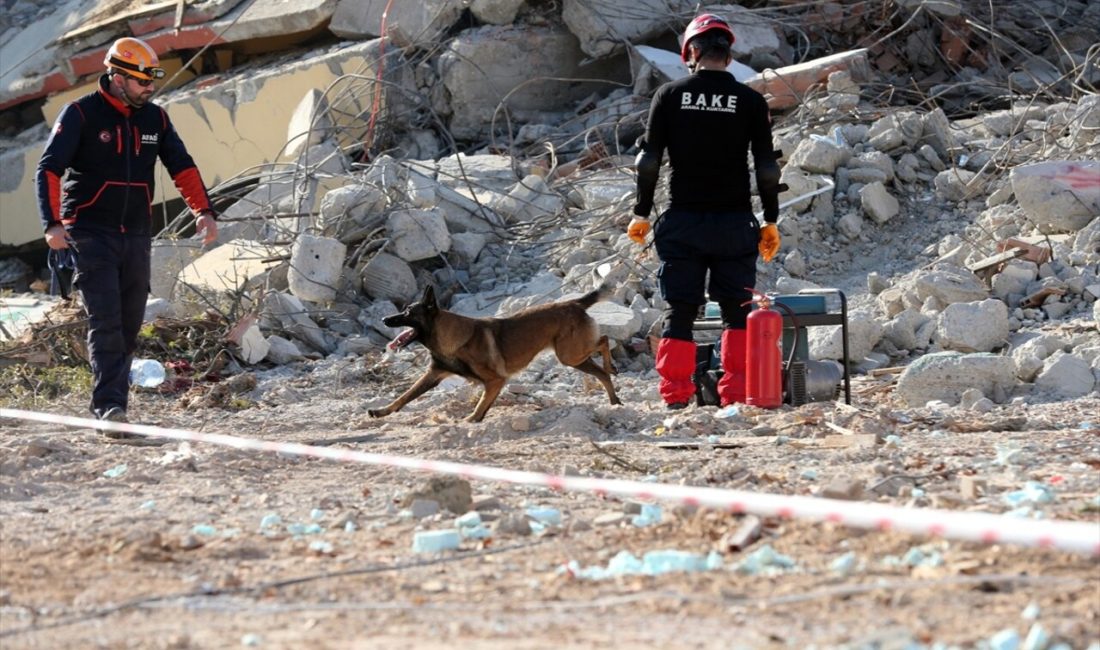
<point x="95" y="185"/>
<point x="708" y="122"/>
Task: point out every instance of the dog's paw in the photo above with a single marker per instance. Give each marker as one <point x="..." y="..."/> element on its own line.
<point x="376" y="413"/>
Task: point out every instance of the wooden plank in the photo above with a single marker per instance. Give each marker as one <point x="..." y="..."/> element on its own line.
<point x="996" y="260"/>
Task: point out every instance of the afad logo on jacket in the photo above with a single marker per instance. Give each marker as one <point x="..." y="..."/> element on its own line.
<point x="104" y="136"/>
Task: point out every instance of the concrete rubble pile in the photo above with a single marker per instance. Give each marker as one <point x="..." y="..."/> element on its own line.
<point x="486" y="147"/>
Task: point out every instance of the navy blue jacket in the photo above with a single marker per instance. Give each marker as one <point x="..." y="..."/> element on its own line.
<point x="110" y="151"/>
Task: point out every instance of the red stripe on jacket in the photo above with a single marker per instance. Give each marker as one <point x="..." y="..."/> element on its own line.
<point x="191" y="188"/>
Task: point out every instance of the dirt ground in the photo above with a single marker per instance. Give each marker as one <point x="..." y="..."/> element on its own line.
<point x="122" y="546"/>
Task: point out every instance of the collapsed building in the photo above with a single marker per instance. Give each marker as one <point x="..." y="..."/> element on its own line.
<point x="486" y="148"/>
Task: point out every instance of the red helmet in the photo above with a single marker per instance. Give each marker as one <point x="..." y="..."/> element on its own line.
<point x="702" y="24"/>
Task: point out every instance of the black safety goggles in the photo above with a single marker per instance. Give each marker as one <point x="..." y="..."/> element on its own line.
<point x="144" y="83"/>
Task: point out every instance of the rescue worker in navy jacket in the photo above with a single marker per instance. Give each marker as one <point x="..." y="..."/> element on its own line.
<point x="95" y="188"/>
<point x="708" y="122"/>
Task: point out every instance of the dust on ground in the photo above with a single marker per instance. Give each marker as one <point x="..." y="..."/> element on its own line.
<point x="120" y="546"/>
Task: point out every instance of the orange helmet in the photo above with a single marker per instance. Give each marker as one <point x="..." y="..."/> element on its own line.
<point x="134" y="57"/>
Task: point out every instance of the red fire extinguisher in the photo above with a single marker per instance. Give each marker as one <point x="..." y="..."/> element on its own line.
<point x="764" y="358"/>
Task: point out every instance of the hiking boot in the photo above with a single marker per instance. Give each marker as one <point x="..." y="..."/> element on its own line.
<point x="676" y="406"/>
<point x="114" y="414"/>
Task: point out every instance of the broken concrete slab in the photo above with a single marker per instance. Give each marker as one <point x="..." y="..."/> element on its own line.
<point x="1059" y="196"/>
<point x="528" y="200"/>
<point x="30" y="57"/>
<point x="945" y="376"/>
<point x="18" y="199"/>
<point x="168" y="258"/>
<point x="878" y="203"/>
<point x="222" y="274"/>
<point x="617" y="322"/>
<point x="316" y="264"/>
<point x="406" y="23"/>
<point x="418" y="234"/>
<point x="479" y="69"/>
<point x="785" y="87"/>
<point x="281" y="350"/>
<point x="242" y="121"/>
<point x="288" y="23"/>
<point x="284" y="311"/>
<point x="1066" y="376"/>
<point x="388" y="277"/>
<point x="973" y="326"/>
<point x="309" y="125"/>
<point x="602" y="28"/>
<point x="496" y="12"/>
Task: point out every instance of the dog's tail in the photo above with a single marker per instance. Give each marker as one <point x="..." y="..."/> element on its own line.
<point x="602" y="292"/>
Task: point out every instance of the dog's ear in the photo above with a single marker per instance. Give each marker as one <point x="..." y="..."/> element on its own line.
<point x="428" y="299"/>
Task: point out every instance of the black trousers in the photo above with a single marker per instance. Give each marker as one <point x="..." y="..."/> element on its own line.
<point x="694" y="245"/>
<point x="112" y="276"/>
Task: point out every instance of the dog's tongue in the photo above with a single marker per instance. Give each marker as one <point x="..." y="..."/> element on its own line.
<point x="402" y="339"/>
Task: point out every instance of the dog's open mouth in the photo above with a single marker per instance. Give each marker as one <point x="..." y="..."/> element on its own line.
<point x="403" y="339"/>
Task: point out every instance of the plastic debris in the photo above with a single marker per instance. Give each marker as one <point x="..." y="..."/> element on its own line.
<point x="251" y="640"/>
<point x="350" y="527"/>
<point x="116" y="471"/>
<point x="1033" y="493"/>
<point x="892" y="441"/>
<point x="726" y="412"/>
<point x="468" y="520"/>
<point x="917" y="493"/>
<point x="316" y="514"/>
<point x="651" y="514"/>
<point x="320" y="546"/>
<point x="270" y="520"/>
<point x="1031" y="612"/>
<point x="147" y="373"/>
<point x="434" y="541"/>
<point x="475" y="532"/>
<point x="916" y="556"/>
<point x="652" y="563"/>
<point x="206" y="530"/>
<point x="714" y="439"/>
<point x="844" y="564"/>
<point x="545" y="516"/>
<point x="809" y="474"/>
<point x="1037" y="638"/>
<point x="1009" y="454"/>
<point x="764" y="558"/>
<point x="304" y="529"/>
<point x="148" y="505"/>
<point x="1007" y="639"/>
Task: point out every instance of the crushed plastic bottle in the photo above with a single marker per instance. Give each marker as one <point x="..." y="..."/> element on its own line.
<point x="146" y="373"/>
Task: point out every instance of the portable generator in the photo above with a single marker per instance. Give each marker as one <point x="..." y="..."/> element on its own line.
<point x="804" y="380"/>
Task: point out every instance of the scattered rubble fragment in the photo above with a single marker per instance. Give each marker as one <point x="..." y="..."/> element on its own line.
<point x="486" y="148"/>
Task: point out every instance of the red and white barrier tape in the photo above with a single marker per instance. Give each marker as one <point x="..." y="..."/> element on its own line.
<point x="1078" y="537"/>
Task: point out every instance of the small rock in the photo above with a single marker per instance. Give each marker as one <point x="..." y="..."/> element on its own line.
<point x="190" y="542"/>
<point x="424" y="508"/>
<point x="513" y="524"/>
<point x="483" y="502"/>
<point x="843" y="488"/>
<point x="610" y="519"/>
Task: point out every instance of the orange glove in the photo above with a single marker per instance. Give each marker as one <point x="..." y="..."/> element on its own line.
<point x="637" y="230"/>
<point x="769" y="241"/>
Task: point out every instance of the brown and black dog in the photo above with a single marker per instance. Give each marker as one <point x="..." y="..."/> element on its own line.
<point x="490" y="350"/>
